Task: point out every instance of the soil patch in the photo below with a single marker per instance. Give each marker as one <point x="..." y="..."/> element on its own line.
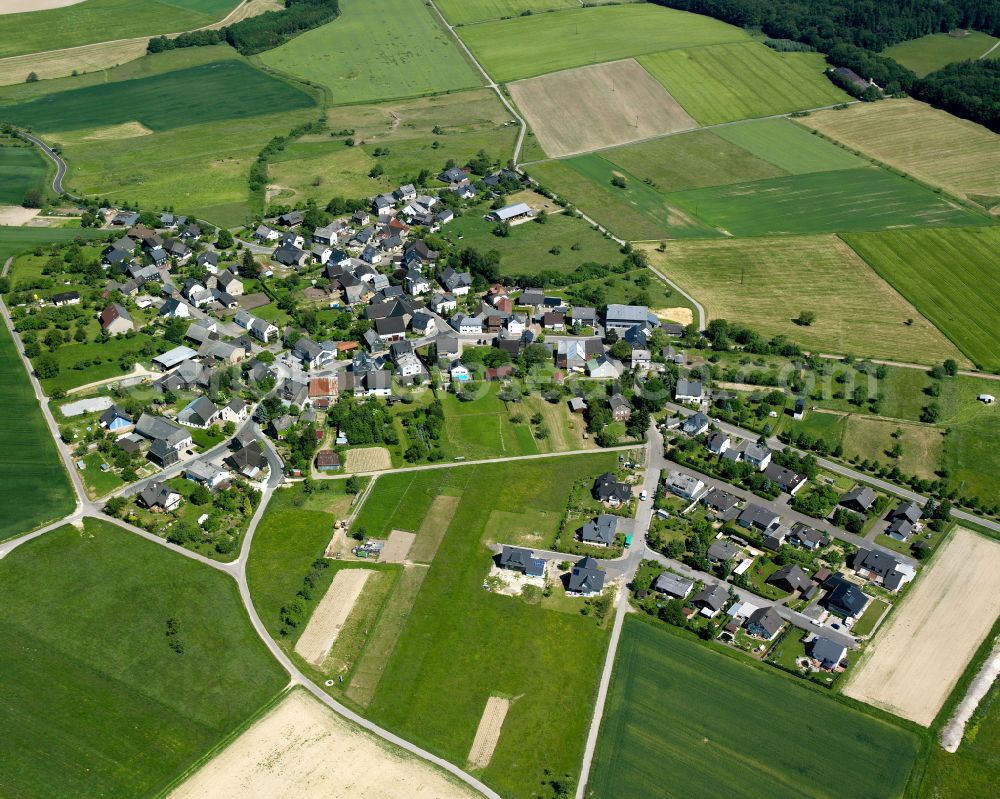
<point x="488" y="733"/>
<point x="126" y="130"/>
<point x="683" y="316"/>
<point x="16" y="216"/>
<point x="433" y="528"/>
<point x="397" y="547"/>
<point x="368" y="459"/>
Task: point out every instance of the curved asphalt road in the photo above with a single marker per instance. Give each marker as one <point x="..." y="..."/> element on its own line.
<point x="57" y="185"/>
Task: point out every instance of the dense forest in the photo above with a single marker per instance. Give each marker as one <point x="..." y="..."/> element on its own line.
<point x="853" y="32"/>
<point x="260" y="33"/>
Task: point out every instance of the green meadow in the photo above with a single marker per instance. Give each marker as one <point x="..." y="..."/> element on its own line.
<point x="951" y="276"/>
<point x="727" y="82"/>
<point x="459" y="12"/>
<point x="523" y="47"/>
<point x="376" y="51"/>
<point x="458" y="647"/>
<point x="30" y="465"/>
<point x="96" y="701"/>
<point x="225" y="90"/>
<point x="686" y="722"/>
<point x="789" y="146"/>
<point x="103" y="20"/>
<point x="936" y="50"/>
<point x="21" y="168"/>
<point x="822" y="202"/>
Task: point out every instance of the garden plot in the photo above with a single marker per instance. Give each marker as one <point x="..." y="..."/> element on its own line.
<point x="916" y="660"/>
<point x="331" y="614"/>
<point x="302" y="749"/>
<point x="488" y="732"/>
<point x="397" y="547"/>
<point x="368" y="459"/>
<point x="598" y="106"/>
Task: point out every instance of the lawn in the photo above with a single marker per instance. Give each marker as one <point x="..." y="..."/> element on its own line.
<point x="876" y="608"/>
<point x="30" y="465"/>
<point x="482" y="428"/>
<point x="727" y="82"/>
<point x="22" y="168"/>
<point x="825" y="202"/>
<point x="459" y="12"/>
<point x="692" y="161"/>
<point x="403" y="133"/>
<point x="100" y="20"/>
<point x="932" y="145"/>
<point x="684" y="721"/>
<point x="951" y="276"/>
<point x="765" y="283"/>
<point x="16" y="240"/>
<point x="222" y="91"/>
<point x="637" y="211"/>
<point x="294" y="532"/>
<point x="96" y="702"/>
<point x="527" y="250"/>
<point x="406" y="53"/>
<point x="457" y="642"/>
<point x="934" y="51"/>
<point x="871" y="439"/>
<point x="534" y="45"/>
<point x="788" y="146"/>
<point x="80" y="364"/>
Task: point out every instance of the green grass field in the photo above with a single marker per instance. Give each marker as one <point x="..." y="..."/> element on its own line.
<point x="527" y="46"/>
<point x="95" y="701"/>
<point x="951" y="276"/>
<point x="691" y="161"/>
<point x="221" y="91"/>
<point x="16" y="240"/>
<point x="459" y="12"/>
<point x="104" y="20"/>
<point x="29" y="462"/>
<point x="21" y="168"/>
<point x="824" y="202"/>
<point x="726" y="82"/>
<point x="684" y="721"/>
<point x="459" y="644"/>
<point x="406" y="53"/>
<point x="403" y="133"/>
<point x="482" y="428"/>
<point x="789" y="147"/>
<point x="932" y="52"/>
<point x="765" y="283"/>
<point x="660" y="218"/>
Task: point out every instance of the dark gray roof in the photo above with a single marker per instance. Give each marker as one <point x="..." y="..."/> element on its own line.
<point x="601" y="530"/>
<point x="586" y="577"/>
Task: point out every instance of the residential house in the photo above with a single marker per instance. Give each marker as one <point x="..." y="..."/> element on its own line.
<point x="443" y="304"/>
<point x="531" y="297"/>
<point x="583" y="316"/>
<point x="673" y="585"/>
<point x="174" y="308"/>
<point x="844" y="598"/>
<point x="621" y="409"/>
<point x="859" y="499"/>
<point x="641" y="359"/>
<point x="792" y="578"/>
<point x="200" y="412"/>
<point x="417" y="282"/>
<point x="115" y="419"/>
<point x="722" y="550"/>
<point x="291" y="219"/>
<point x="554" y="320"/>
<point x="908" y="511"/>
<point x="235" y="411"/>
<point x="757" y="455"/>
<point x="806" y="537"/>
<point x="522" y="561"/>
<point x="290" y="255"/>
<point x="206" y="474"/>
<point x="605" y="367"/>
<point x="116" y="320"/>
<point x="710" y="600"/>
<point x="391" y="328"/>
<point x="265" y="234"/>
<point x="720" y="501"/>
<point x="66" y="298"/>
<point x="764" y="623"/>
<point x="684" y="485"/>
<point x="600" y="531"/>
<point x="689" y="390"/>
<point x="787" y="480"/>
<point x="586" y="578"/>
<point x="327" y="460"/>
<point x="607" y="489"/>
<point x="829" y="654"/>
<point x="457" y="283"/>
<point x="758" y="518"/>
<point x="718" y="443"/>
<point x="159" y="497"/>
<point x="258" y="328"/>
<point x="230" y="283"/>
<point x="156" y="428"/>
<point x="248" y="461"/>
<point x="881" y="567"/>
<point x="423" y="324"/>
<point x="695" y="425"/>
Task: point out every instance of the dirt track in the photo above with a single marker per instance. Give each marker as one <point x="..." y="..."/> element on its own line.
<point x="597" y="106"/>
<point x="301" y="750"/>
<point x="915" y="661"/>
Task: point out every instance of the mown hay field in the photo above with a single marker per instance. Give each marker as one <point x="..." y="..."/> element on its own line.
<point x="224" y="90"/>
<point x="686" y="722"/>
<point x="22" y="167"/>
<point x="850" y="200"/>
<point x="91" y="680"/>
<point x="459" y="12"/>
<point x="950" y="276"/>
<point x="932" y="52"/>
<point x="597" y="106"/>
<point x="102" y="20"/>
<point x="376" y="51"/>
<point x="534" y="45"/>
<point x="727" y="82"/>
<point x="765" y="283"/>
<point x="932" y="145"/>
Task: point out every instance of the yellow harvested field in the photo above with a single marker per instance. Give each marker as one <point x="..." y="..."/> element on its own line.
<point x="766" y="282"/>
<point x="16" y="216"/>
<point x="488" y="732"/>
<point x="302" y="749"/>
<point x="588" y="108"/>
<point x="929" y="144"/>
<point x="368" y="459"/>
<point x="22" y="6"/>
<point x="60" y="63"/>
<point x="126" y="130"/>
<point x="330" y="615"/>
<point x="682" y="315"/>
<point x="915" y="661"/>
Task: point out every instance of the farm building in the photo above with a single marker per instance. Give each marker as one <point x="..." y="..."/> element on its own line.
<point x="512" y="214"/>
